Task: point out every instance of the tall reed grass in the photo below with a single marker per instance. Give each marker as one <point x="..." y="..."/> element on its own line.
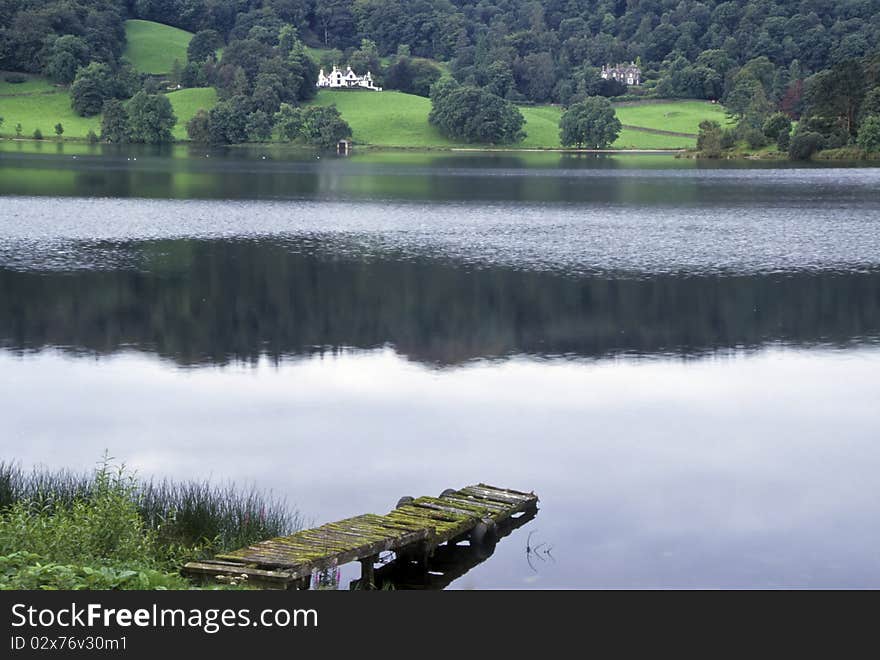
<point x="202" y="514"/>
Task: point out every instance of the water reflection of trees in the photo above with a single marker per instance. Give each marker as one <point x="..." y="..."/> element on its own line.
<point x="212" y="302"/>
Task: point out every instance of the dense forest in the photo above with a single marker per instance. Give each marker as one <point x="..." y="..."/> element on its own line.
<point x="757" y="57"/>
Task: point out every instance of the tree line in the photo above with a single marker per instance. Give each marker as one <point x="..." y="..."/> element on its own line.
<point x="522" y="50"/>
<point x="835" y="108"/>
<point x="757" y="57"/>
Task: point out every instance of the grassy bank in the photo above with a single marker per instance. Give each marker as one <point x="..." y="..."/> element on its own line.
<point x="153" y="47"/>
<point x="109" y="530"/>
<point x="395" y="119"/>
<point x="671" y="116"/>
<point x="387" y="119"/>
<point x="186" y="103"/>
<point x="44" y="110"/>
<point x="38" y="110"/>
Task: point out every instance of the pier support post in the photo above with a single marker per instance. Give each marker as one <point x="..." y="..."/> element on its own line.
<point x="368" y="573"/>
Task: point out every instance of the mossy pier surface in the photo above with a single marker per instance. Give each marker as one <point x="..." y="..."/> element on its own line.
<point x="415" y="528"/>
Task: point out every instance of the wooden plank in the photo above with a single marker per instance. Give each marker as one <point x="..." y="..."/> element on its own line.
<point x="513" y="497"/>
<point x="464" y="513"/>
<point x="529" y="496"/>
<point x="425" y="512"/>
<point x="493" y="496"/>
<point x="212" y="570"/>
<point x="492" y="507"/>
<point x="299" y="565"/>
<point x="468" y="508"/>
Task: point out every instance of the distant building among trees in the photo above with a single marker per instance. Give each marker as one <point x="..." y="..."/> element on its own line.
<point x="629" y="74"/>
<point x="336" y="79"/>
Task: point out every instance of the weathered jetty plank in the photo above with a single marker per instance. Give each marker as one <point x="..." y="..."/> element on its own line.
<point x="414" y="527"/>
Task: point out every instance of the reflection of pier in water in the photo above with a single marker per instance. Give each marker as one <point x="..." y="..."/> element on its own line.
<point x="448" y="562"/>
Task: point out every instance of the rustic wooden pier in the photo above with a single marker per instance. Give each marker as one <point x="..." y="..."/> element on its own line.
<point x="413" y="531"/>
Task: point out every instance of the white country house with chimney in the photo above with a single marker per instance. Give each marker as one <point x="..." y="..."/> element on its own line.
<point x="338" y="80"/>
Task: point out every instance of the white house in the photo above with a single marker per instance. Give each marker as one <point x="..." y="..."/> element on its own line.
<point x="349" y="79"/>
<point x="630" y="73"/>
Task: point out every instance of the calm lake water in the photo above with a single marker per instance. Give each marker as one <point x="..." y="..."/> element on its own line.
<point x="680" y="359"/>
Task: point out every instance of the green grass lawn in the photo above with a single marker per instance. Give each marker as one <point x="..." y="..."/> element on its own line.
<point x="187" y="102"/>
<point x="632" y="139"/>
<point x="43" y="111"/>
<point x="394" y="119"/>
<point x="153" y="47"/>
<point x="541" y="127"/>
<point x="389" y="119"/>
<point x="677" y="116"/>
<point x="33" y="85"/>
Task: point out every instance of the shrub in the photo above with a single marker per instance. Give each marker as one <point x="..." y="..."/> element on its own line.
<point x="804" y="145"/>
<point x="115" y="123"/>
<point x="728" y="138"/>
<point x="754" y="138"/>
<point x="777" y="123"/>
<point x="38" y="134"/>
<point x="198" y="129"/>
<point x="28" y="570"/>
<point x="869" y="133"/>
<point x="15" y="78"/>
<point x="106" y="526"/>
<point x="783" y="141"/>
<point x="709" y="139"/>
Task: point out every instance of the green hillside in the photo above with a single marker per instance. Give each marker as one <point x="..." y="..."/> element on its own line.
<point x="542" y="126"/>
<point x="676" y="116"/>
<point x="32" y="85"/>
<point x="388" y="119"/>
<point x="395" y="119"/>
<point x="187" y="102"/>
<point x="43" y="111"/>
<point x="153" y="47"/>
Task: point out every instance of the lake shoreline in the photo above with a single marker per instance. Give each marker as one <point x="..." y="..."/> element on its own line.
<point x="830" y="155"/>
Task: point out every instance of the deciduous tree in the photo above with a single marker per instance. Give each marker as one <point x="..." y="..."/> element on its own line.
<point x="591" y="123"/>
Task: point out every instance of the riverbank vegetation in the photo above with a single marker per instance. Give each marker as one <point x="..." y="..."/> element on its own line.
<point x="111" y="530"/>
<point x="754" y="58"/>
<point x="837" y="110"/>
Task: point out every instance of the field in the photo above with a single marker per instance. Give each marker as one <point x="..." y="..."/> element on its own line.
<point x="43" y="111"/>
<point x="390" y="119"/>
<point x="187" y="102"/>
<point x="153" y="47"/>
<point x="542" y="126"/>
<point x="676" y="116"/>
<point x="33" y="84"/>
<point x="395" y="119"/>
